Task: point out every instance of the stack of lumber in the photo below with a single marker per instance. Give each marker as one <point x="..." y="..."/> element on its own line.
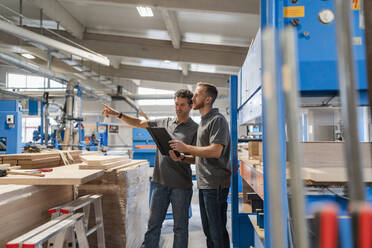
<point x="63" y="175"/>
<point x="331" y="154"/>
<point x="255" y="150"/>
<point x="41" y="160"/>
<point x="125" y="193"/>
<point x="95" y="162"/>
<point x="23" y="207"/>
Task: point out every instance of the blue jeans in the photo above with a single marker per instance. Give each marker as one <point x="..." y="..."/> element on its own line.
<point x="180" y="199"/>
<point x="213" y="212"/>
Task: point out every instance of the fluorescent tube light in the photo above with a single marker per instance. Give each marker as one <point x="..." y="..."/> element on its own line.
<point x="28" y="56"/>
<point x="145" y="11"/>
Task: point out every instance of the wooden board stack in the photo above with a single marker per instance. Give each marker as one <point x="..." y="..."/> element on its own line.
<point x="125" y="207"/>
<point x="25" y="207"/>
<point x="255" y="150"/>
<point x="62" y="175"/>
<point x="92" y="162"/>
<point x="40" y="160"/>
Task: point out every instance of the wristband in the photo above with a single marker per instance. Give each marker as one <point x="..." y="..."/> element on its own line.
<point x="184" y="157"/>
<point x="120" y="115"/>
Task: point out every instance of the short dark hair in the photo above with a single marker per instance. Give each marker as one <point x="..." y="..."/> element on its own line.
<point x="184" y="93"/>
<point x="210" y="89"/>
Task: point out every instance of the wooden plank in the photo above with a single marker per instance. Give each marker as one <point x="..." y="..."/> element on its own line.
<point x="331" y="154"/>
<point x="133" y="163"/>
<point x="64" y="175"/>
<point x="4" y="166"/>
<point x="104" y="166"/>
<point x="332" y="175"/>
<point x="102" y="160"/>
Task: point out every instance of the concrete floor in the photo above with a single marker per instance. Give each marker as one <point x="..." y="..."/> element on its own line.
<point x="196" y="235"/>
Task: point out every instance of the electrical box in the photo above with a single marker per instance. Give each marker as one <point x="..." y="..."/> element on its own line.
<point x="10" y="127"/>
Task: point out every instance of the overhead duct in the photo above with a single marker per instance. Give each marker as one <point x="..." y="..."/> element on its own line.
<point x="50" y="43"/>
<point x="6" y="58"/>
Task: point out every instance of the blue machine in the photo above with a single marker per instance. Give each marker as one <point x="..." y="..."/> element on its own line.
<point x="317" y="57"/>
<point x="141" y="138"/>
<point x="11" y="127"/>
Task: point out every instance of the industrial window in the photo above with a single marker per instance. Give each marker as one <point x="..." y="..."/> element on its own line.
<point x="29" y="125"/>
<point x="154" y="92"/>
<point x="29" y="82"/>
<point x="153" y="102"/>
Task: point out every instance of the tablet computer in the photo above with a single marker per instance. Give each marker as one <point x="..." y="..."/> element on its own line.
<point x="161" y="138"/>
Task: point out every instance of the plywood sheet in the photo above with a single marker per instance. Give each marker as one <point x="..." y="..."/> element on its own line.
<point x="64" y="175"/>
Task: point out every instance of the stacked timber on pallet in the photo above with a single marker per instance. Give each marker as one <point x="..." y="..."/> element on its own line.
<point x="125" y="191"/>
<point x="41" y="160"/>
<point x="24" y="207"/>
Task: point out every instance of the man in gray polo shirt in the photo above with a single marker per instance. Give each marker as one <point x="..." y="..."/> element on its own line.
<point x="172" y="180"/>
<point x="212" y="158"/>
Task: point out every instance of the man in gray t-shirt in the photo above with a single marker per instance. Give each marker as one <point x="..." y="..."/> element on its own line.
<point x="172" y="179"/>
<point x="211" y="155"/>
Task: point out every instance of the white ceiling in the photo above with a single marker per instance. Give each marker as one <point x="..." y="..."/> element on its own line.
<point x="196" y="26"/>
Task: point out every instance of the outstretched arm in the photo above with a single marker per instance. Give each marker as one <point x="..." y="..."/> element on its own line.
<point x="128" y="119"/>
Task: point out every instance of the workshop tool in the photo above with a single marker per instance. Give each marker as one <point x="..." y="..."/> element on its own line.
<point x="4" y="173"/>
<point x="290" y="82"/>
<point x="347" y="80"/>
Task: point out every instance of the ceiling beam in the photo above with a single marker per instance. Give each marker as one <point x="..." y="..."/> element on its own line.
<point x="53" y="9"/>
<point x="165" y="75"/>
<point x="171" y="23"/>
<point x="164" y="50"/>
<point x="237" y="6"/>
<point x="115" y="45"/>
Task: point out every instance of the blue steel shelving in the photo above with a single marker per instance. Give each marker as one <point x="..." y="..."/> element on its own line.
<point x="317" y="58"/>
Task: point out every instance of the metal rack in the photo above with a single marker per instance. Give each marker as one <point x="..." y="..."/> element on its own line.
<point x="317" y="69"/>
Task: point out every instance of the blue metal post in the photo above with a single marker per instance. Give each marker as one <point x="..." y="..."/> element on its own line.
<point x="42" y="122"/>
<point x="272" y="15"/>
<point x="234" y="159"/>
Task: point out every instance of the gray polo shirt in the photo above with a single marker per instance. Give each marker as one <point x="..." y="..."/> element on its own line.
<point x="212" y="173"/>
<point x="166" y="171"/>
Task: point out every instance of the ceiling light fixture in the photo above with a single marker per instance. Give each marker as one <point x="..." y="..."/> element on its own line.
<point x="167" y="61"/>
<point x="28" y="56"/>
<point x="145" y="11"/>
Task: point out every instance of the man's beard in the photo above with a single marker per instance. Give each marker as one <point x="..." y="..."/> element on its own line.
<point x="199" y="106"/>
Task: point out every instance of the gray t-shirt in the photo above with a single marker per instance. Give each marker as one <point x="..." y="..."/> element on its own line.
<point x="168" y="172"/>
<point x="212" y="173"/>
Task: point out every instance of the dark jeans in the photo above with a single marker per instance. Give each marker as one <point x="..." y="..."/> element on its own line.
<point x="180" y="199"/>
<point x="213" y="212"/>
